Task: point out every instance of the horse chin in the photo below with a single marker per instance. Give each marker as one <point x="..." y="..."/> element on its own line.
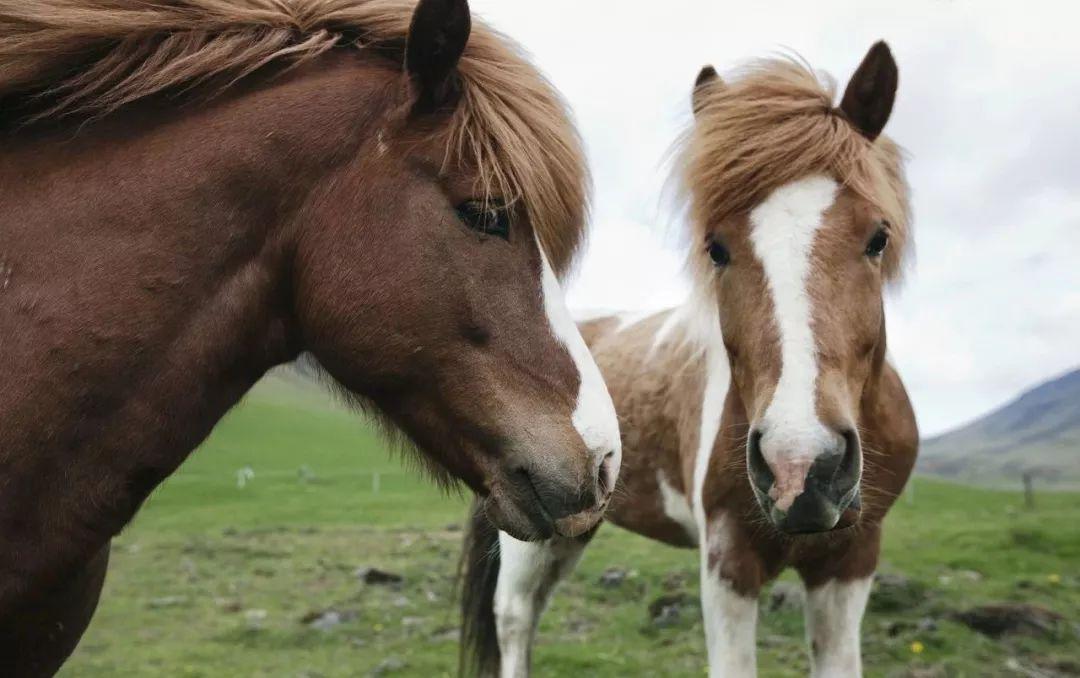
<point x="522" y="520"/>
<point x="578" y="524"/>
<point x="849" y="517"/>
<point x="528" y="521"/>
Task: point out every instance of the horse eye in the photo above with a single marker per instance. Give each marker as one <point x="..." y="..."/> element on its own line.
<point x="719" y="254"/>
<point x="489" y="218"/>
<point x="877" y="244"/>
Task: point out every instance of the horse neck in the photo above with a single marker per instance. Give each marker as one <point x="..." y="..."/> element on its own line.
<point x="150" y="293"/>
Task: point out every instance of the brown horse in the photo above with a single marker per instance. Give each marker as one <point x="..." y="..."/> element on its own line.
<point x="761" y="421"/>
<point x="194" y="191"/>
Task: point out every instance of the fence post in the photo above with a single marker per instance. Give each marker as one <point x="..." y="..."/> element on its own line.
<point x="1029" y="489"/>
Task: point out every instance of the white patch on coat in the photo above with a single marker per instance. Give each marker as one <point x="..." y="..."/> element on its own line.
<point x="528" y="572"/>
<point x="730" y="618"/>
<point x="676" y="506"/>
<point x="594" y="415"/>
<point x="784" y="228"/>
<point x="717" y="379"/>
<point x="834" y="614"/>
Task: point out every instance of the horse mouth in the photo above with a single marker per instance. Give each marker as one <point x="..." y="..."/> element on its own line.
<point x="521" y="514"/>
<point x="578" y="524"/>
<point x="809" y="515"/>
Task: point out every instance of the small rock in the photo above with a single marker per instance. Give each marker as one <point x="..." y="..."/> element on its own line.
<point x="578" y="626"/>
<point x="894" y="629"/>
<point x="786" y="595"/>
<point x="613" y="577"/>
<point x="167" y="601"/>
<point x="896" y="593"/>
<point x="676" y="581"/>
<point x="255" y="618"/>
<point x="668" y="610"/>
<point x="373" y="575"/>
<point x="927" y="625"/>
<point x="324" y="620"/>
<point x="898" y="627"/>
<point x="453" y="527"/>
<point x="1058" y="666"/>
<point x="999" y="619"/>
<point x="388" y="665"/>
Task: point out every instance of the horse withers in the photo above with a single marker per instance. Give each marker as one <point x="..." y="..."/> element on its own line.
<point x="195" y="191"/>
<point x="761" y="421"/>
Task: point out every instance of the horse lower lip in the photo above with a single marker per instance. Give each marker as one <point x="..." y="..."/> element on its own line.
<point x="579" y="523"/>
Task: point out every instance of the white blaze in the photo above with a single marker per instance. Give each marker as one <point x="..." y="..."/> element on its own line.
<point x="784" y="227"/>
<point x="594" y="416"/>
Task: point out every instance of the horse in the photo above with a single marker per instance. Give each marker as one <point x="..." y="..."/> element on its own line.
<point x="195" y="191"/>
<point x="761" y="420"/>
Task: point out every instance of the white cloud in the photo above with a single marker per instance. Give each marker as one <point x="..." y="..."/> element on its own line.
<point x="988" y="108"/>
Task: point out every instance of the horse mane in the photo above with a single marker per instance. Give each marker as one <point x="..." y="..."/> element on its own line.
<point x="92" y="57"/>
<point x="774" y="122"/>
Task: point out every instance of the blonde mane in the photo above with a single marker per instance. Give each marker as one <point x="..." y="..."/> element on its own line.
<point x="774" y="123"/>
<point x="95" y="56"/>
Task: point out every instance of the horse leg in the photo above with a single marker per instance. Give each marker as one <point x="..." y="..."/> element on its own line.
<point x="528" y="574"/>
<point x="837" y="589"/>
<point x="729" y="607"/>
<point x="36" y="639"/>
<point x="834" y="612"/>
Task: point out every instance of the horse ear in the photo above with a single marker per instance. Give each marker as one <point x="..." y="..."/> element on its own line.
<point x="706" y="78"/>
<point x="869" y="97"/>
<point x="437" y="36"/>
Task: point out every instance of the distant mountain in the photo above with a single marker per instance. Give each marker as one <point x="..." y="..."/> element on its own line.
<point x="1038" y="432"/>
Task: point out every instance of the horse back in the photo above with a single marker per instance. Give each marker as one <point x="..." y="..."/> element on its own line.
<point x="657" y="407"/>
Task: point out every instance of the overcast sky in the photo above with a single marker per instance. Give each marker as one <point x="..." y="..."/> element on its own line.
<point x="988" y="109"/>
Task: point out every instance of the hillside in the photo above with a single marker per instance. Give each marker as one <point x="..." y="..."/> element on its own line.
<point x="1038" y="432"/>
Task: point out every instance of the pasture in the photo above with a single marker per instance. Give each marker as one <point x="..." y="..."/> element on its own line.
<point x="215" y="579"/>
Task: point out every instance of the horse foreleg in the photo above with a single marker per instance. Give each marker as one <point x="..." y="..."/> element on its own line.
<point x="834" y="612"/>
<point x="36" y="639"/>
<point x="528" y="573"/>
<point x="730" y="614"/>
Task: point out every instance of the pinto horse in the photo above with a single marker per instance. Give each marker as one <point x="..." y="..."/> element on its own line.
<point x="194" y="191"/>
<point x="761" y="421"/>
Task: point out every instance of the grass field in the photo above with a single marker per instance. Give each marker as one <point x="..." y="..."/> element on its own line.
<point x="213" y="579"/>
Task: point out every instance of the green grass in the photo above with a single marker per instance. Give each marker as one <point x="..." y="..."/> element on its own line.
<point x="214" y="580"/>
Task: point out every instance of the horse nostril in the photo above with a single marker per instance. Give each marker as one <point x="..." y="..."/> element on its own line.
<point x="603" y="474"/>
<point x="760" y="473"/>
<point x="850" y="463"/>
<point x="836" y="469"/>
